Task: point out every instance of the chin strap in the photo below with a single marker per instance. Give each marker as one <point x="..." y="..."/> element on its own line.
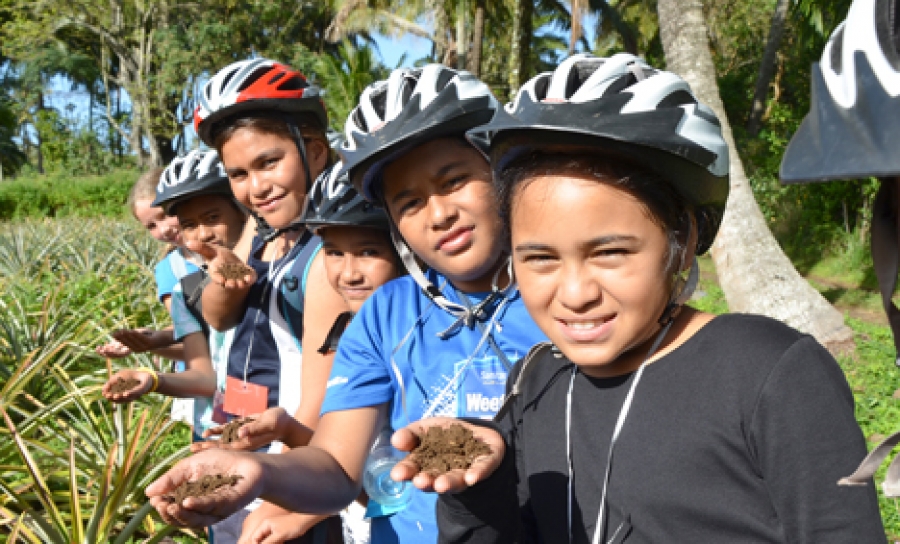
<point x="464" y="315"/>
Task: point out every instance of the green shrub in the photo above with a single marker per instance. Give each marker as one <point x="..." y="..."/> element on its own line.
<point x="61" y="195"/>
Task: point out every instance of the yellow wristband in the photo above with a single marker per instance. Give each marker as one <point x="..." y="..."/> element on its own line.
<point x="153" y="375"/>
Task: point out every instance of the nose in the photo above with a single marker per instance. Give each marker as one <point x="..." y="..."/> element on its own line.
<point x="350" y="274"/>
<point x="205" y="233"/>
<point x="441" y="211"/>
<point x="578" y="290"/>
<point x="259" y="186"/>
<point x="170" y="230"/>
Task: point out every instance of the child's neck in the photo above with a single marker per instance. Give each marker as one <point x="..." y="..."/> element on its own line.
<point x="486" y="282"/>
<point x="280" y="246"/>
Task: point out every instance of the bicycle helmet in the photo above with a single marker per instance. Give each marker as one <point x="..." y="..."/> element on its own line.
<point x="334" y="202"/>
<point x="853" y="125"/>
<point x="197" y="173"/>
<point x="412" y="106"/>
<point x="255" y="85"/>
<point x="624" y="108"/>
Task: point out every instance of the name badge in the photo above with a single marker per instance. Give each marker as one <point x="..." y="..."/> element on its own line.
<point x="244" y="398"/>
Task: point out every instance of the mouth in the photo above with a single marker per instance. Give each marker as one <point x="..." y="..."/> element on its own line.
<point x="455" y="241"/>
<point x="587" y="330"/>
<point x="356" y="293"/>
<point x="269" y="205"/>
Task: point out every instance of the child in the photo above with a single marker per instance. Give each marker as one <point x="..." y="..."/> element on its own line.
<point x="177" y="263"/>
<point x="196" y="190"/>
<point x="268" y="125"/>
<point x="644" y="420"/>
<point x="359" y="258"/>
<point x="435" y="342"/>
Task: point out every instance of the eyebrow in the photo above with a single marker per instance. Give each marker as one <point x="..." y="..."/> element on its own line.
<point x="442" y="171"/>
<point x="599" y="241"/>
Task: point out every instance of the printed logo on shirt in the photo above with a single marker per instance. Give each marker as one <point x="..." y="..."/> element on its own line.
<point x="337" y="380"/>
<point x="476" y="391"/>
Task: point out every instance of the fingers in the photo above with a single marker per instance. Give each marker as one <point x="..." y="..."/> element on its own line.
<point x="207" y="251"/>
<point x="136" y="341"/>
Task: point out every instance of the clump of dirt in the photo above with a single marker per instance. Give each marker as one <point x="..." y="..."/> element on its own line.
<point x="442" y="450"/>
<point x="230" y="431"/>
<point x="234" y="271"/>
<point x="206" y="485"/>
<point x="122" y="385"/>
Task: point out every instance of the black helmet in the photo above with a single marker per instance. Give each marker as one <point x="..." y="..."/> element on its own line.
<point x="622" y="107"/>
<point x="412" y="106"/>
<point x="334" y="202"/>
<point x="853" y="124"/>
<point x="197" y="173"/>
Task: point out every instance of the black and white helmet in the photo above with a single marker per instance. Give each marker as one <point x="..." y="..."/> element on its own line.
<point x="334" y="202"/>
<point x="412" y="106"/>
<point x="853" y="125"/>
<point x="197" y="173"/>
<point x="627" y="109"/>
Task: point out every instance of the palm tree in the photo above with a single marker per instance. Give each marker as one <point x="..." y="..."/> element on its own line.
<point x="754" y="272"/>
<point x="345" y="76"/>
<point x="11" y="157"/>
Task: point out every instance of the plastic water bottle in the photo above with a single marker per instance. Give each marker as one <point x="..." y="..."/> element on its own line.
<point x="377" y="481"/>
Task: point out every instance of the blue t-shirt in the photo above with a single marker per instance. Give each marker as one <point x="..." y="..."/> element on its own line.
<point x="169" y="272"/>
<point x="266" y="342"/>
<point x="396" y="333"/>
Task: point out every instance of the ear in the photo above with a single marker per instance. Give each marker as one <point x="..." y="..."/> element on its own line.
<point x="317" y="152"/>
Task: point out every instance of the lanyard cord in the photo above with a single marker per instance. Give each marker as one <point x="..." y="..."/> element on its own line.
<point x="273" y="274"/>
<point x="679" y="300"/>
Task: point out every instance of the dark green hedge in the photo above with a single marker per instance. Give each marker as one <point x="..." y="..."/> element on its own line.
<point x="59" y="195"/>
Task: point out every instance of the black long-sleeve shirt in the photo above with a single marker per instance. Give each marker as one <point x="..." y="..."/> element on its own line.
<point x="739" y="435"/>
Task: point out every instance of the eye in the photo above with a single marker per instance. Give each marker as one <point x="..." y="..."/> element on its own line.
<point x="237" y="175"/>
<point x="407" y="206"/>
<point x="454" y="182"/>
<point x="270" y="162"/>
<point x="611" y="252"/>
<point x="333" y="253"/>
<point x="370" y="253"/>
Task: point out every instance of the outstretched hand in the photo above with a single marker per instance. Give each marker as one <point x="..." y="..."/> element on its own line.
<point x="143" y="340"/>
<point x="205" y="511"/>
<point x="215" y="257"/>
<point x="144" y="383"/>
<point x="456" y="480"/>
<point x="113" y="350"/>
<point x="264" y="429"/>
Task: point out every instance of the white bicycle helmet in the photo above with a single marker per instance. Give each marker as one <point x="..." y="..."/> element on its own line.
<point x="412" y="106"/>
<point x="622" y="107"/>
<point x="855" y="107"/>
<point x="197" y="173"/>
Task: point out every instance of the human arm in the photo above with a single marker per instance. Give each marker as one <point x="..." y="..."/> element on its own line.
<point x="322" y="306"/>
<point x="805" y="438"/>
<point x="271" y="524"/>
<point x="199" y="380"/>
<point x="319" y="479"/>
<point x="273" y="424"/>
<point x="223" y="300"/>
<point x="130" y="341"/>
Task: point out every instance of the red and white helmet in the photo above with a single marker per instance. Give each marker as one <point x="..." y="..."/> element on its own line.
<point x="255" y="85"/>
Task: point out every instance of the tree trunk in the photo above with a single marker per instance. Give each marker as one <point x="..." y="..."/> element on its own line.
<point x="462" y="44"/>
<point x="521" y="45"/>
<point x="39" y="142"/>
<point x="575" y="32"/>
<point x="477" y="39"/>
<point x="755" y="274"/>
<point x="767" y="67"/>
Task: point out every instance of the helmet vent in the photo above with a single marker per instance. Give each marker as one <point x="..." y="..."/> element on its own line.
<point x="620" y="84"/>
<point x="379" y="103"/>
<point x="582" y="71"/>
<point x="253" y="77"/>
<point x="276" y="77"/>
<point x="294" y="83"/>
<point x="541" y="86"/>
<point x="443" y="80"/>
<point x="886" y="30"/>
<point x="675" y="99"/>
<point x="837" y="51"/>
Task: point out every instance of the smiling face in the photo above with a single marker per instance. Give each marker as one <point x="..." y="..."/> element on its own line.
<point x="441" y="196"/>
<point x="266" y="172"/>
<point x="211" y="219"/>
<point x="160" y="226"/>
<point x="358" y="261"/>
<point x="592" y="267"/>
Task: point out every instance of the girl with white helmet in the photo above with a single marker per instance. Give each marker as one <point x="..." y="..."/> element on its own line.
<point x="440" y="341"/>
<point x="642" y="420"/>
<point x="268" y="124"/>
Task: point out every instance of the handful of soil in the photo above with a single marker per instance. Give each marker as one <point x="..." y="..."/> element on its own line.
<point x="206" y="485"/>
<point x="442" y="450"/>
<point x="121" y="385"/>
<point x="234" y="271"/>
<point x="230" y="431"/>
